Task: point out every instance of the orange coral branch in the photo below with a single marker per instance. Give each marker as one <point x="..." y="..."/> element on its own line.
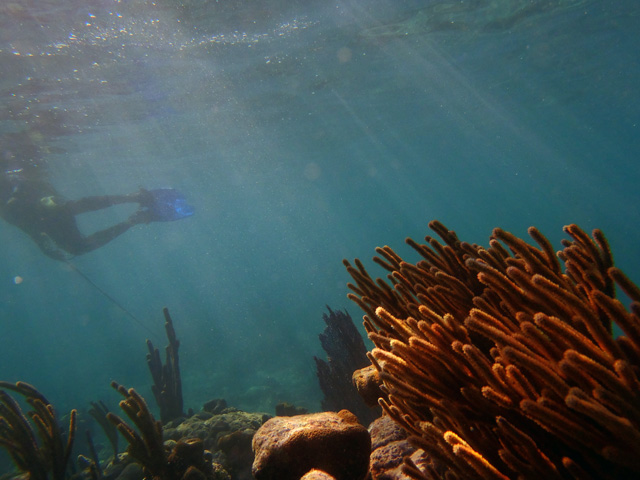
<point x="509" y="355"/>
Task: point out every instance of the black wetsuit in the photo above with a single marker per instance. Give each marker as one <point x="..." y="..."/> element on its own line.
<point x="35" y="207"/>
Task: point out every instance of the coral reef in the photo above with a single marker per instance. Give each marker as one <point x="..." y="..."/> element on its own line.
<point x="367" y="383"/>
<point x="389" y="446"/>
<point x="99" y="413"/>
<point x="345" y="354"/>
<point x="43" y="460"/>
<point x="502" y="365"/>
<point x="146" y="448"/>
<point x="185" y="460"/>
<point x="286" y="409"/>
<point x="167" y="383"/>
<point x="286" y="448"/>
<point x="225" y="431"/>
<point x="236" y="447"/>
<point x="176" y="449"/>
<point x="212" y="445"/>
<point x="317" y="475"/>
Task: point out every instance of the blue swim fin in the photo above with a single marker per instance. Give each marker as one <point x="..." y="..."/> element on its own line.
<point x="167" y="204"/>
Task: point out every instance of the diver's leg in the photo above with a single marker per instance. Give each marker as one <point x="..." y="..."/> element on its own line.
<point x="102" y="237"/>
<point x="56" y="233"/>
<point x="50" y="248"/>
<point x="90" y="204"/>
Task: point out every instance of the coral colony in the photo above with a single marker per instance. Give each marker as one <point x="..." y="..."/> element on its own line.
<point x="499" y="364"/>
<point x="494" y="363"/>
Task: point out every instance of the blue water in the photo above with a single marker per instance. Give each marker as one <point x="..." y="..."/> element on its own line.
<point x="303" y="133"/>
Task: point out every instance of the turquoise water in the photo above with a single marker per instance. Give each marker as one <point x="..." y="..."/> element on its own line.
<point x="303" y="133"/>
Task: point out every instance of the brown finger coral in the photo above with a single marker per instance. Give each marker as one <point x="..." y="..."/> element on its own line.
<point x="500" y="363"/>
<point x="39" y="448"/>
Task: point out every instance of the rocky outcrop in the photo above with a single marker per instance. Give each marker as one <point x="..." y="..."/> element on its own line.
<point x="225" y="431"/>
<point x="389" y="446"/>
<point x="287" y="448"/>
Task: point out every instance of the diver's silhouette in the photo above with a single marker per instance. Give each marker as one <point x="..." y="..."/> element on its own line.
<point x="31" y="203"/>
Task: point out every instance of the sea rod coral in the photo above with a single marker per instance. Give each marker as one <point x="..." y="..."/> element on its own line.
<point x="501" y="363"/>
<point x="186" y="460"/>
<point x="167" y="382"/>
<point x="40" y="448"/>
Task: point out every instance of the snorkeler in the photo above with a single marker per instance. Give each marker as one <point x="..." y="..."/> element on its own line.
<point x="31" y="203"/>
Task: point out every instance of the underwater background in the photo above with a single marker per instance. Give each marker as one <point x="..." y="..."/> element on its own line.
<point x="303" y="133"/>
